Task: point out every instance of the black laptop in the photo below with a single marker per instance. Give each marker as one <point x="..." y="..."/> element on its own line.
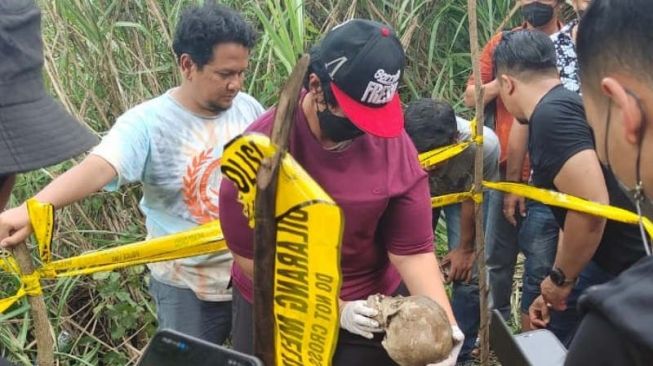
<point x="534" y="348"/>
<point x="170" y="348"/>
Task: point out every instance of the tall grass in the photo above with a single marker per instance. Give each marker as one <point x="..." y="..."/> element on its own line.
<point x="105" y="56"/>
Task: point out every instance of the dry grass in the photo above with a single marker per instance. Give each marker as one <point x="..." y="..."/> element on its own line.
<point x="104" y="56"/>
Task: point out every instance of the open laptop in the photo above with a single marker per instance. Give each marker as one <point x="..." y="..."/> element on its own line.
<point x="534" y="348"/>
<point x="170" y="348"/>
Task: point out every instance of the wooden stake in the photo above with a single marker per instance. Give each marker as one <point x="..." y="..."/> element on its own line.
<point x="478" y="187"/>
<point x="265" y="231"/>
<point x="42" y="327"/>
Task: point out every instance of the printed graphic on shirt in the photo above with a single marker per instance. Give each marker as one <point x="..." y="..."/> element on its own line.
<point x="200" y="186"/>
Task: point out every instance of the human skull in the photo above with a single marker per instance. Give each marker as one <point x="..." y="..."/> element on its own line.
<point x="417" y="330"/>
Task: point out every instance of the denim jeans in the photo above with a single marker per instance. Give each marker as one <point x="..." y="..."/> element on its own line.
<point x="536" y="235"/>
<point x="465" y="299"/>
<point x="564" y="323"/>
<point x="179" y="309"/>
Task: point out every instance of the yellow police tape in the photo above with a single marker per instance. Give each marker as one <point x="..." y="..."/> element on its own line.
<point x="431" y="158"/>
<point x="566" y="201"/>
<point x="553" y="198"/>
<point x="204" y="239"/>
<point x="307" y="269"/>
<point x="452" y="198"/>
<point x="44" y="215"/>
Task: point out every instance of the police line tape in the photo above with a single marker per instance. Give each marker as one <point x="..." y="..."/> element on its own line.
<point x="307" y="276"/>
<point x="548" y="197"/>
<point x="208" y="238"/>
<point x="204" y="239"/>
<point x="201" y="240"/>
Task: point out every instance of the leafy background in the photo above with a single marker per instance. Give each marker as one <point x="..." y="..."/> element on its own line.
<point x="105" y="56"/>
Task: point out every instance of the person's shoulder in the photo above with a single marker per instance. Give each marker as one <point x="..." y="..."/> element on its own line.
<point x="246" y="106"/>
<point x="146" y="111"/>
<point x="567" y="101"/>
<point x="245" y="99"/>
<point x="263" y="124"/>
<point x="494" y="41"/>
<point x="561" y="101"/>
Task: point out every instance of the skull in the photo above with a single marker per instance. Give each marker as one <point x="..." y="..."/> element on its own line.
<point x="417" y="330"/>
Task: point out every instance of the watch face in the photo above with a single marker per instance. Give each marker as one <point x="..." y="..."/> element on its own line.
<point x="557" y="277"/>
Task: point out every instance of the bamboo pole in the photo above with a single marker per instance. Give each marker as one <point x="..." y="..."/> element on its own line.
<point x="42" y="327"/>
<point x="478" y="187"/>
<point x="265" y="230"/>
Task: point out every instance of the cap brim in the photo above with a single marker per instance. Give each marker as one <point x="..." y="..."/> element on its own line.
<point x="386" y="121"/>
<point x="39" y="134"/>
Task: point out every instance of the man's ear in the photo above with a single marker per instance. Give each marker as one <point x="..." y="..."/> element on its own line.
<point x="187" y="66"/>
<point x="507" y="84"/>
<point x="627" y="107"/>
<point x="314" y="83"/>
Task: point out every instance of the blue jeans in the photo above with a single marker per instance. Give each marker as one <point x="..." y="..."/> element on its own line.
<point x="564" y="323"/>
<point x="465" y="299"/>
<point x="536" y="235"/>
<point x="179" y="309"/>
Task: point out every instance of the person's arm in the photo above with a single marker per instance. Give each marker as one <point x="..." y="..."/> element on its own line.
<point x="491" y="91"/>
<point x="421" y="274"/>
<point x="486" y="65"/>
<point x="517" y="148"/>
<point x="408" y="235"/>
<point x="461" y="259"/>
<point x="580" y="176"/>
<point x="88" y="177"/>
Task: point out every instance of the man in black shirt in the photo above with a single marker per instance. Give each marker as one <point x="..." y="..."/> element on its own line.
<point x="561" y="147"/>
<point x="614" y="51"/>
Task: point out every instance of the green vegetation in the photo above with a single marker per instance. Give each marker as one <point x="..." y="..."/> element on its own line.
<point x="105" y="56"/>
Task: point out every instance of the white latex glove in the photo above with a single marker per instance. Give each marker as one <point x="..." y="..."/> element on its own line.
<point x="458" y="338"/>
<point x="355" y="317"/>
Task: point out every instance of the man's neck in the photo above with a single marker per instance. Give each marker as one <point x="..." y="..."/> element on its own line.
<point x="535" y="92"/>
<point x="183" y="96"/>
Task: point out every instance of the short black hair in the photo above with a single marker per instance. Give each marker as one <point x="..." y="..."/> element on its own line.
<point x="430" y="123"/>
<point x="615" y="35"/>
<point x="525" y="53"/>
<point x="201" y="28"/>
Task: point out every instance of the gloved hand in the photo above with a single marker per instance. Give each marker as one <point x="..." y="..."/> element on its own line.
<point x="355" y="317"/>
<point x="458" y="339"/>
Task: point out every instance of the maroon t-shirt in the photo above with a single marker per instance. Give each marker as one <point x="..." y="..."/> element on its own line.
<point x="382" y="191"/>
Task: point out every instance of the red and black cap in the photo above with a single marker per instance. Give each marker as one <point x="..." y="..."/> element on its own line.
<point x="365" y="61"/>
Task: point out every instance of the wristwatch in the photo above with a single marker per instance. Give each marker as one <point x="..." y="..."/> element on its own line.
<point x="558" y="277"/>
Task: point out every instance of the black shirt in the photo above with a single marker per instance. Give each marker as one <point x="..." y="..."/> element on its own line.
<point x="557" y="131"/>
<point x="618" y="327"/>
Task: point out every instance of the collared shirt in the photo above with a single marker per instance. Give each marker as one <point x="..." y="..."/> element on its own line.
<point x="566" y="58"/>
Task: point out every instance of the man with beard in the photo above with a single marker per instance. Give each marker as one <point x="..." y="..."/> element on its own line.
<point x="172" y="145"/>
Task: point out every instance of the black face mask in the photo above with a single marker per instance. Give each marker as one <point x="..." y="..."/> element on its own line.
<point x="537" y="14"/>
<point x="337" y="129"/>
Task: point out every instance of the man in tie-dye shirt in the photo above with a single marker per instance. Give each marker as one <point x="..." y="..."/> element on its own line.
<point x="172" y="144"/>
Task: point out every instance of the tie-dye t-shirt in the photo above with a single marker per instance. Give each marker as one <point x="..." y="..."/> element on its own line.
<point x="175" y="154"/>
